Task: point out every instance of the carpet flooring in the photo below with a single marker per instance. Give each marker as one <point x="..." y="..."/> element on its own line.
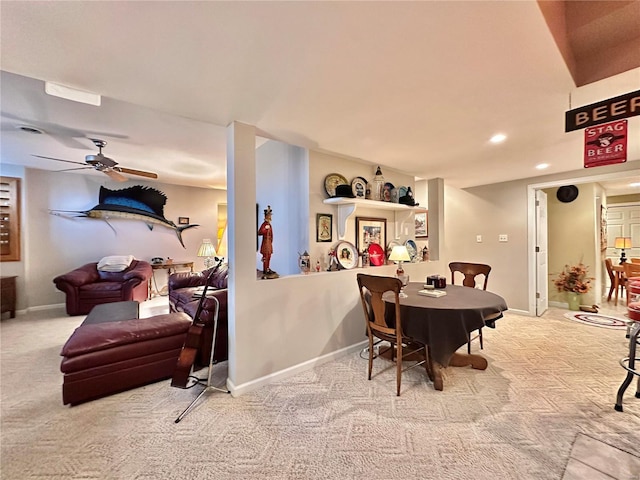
<point x="549" y="380"/>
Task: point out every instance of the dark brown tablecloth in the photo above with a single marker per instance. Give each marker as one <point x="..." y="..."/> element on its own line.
<point x="444" y="323"/>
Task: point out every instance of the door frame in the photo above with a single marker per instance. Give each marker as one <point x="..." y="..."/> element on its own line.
<point x="531" y="222"/>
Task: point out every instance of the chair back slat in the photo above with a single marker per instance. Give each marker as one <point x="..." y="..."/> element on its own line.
<point x="372" y="288"/>
<point x="470" y="272"/>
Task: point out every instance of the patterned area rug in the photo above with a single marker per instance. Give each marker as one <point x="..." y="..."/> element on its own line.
<point x="597" y="320"/>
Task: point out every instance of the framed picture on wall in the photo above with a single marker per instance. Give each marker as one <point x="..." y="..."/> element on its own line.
<point x="183" y="220"/>
<point x="370" y="230"/>
<point x="324" y="227"/>
<point x="422" y="224"/>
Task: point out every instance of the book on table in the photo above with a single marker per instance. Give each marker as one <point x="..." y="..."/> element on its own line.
<point x="432" y="293"/>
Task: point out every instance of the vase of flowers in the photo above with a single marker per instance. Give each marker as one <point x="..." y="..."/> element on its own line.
<point x="575" y="281"/>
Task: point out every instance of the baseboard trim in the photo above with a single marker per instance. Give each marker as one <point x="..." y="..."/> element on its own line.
<point x="40" y="308"/>
<point x="237" y="390"/>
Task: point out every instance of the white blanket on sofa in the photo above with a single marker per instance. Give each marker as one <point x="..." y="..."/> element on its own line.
<point x="115" y="263"/>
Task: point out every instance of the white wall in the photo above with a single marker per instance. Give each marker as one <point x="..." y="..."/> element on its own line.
<point x="502" y="208"/>
<point x="571" y="233"/>
<point x="281" y="172"/>
<point x="57" y="244"/>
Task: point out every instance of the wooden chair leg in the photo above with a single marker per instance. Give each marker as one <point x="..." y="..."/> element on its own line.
<point x="370" y="355"/>
<point x="399" y="368"/>
<point x="481" y="342"/>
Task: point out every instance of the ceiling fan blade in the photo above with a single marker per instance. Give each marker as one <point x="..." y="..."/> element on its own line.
<point x="118" y="177"/>
<point x="131" y="171"/>
<point x="72" y="169"/>
<point x="58" y="159"/>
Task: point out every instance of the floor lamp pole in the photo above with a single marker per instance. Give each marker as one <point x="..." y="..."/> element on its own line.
<point x="208" y="387"/>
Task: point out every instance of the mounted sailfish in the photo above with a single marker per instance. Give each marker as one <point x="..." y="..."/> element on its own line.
<point x="136" y="203"/>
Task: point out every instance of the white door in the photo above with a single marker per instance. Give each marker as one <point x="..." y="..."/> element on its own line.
<point x="542" y="274"/>
<point x="623" y="221"/>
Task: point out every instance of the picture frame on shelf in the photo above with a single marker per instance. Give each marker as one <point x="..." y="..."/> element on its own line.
<point x="370" y="230"/>
<point x="422" y="223"/>
<point x="324" y="227"/>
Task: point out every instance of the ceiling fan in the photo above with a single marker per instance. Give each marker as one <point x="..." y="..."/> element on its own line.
<point x="103" y="164"/>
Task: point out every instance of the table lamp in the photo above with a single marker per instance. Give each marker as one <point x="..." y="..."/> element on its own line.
<point x="399" y="254"/>
<point x="622" y="243"/>
<point x="208" y="251"/>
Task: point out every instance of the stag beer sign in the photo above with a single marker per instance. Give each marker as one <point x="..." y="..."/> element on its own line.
<point x="605" y="144"/>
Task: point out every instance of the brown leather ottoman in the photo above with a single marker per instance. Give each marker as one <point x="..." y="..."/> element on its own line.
<point x="105" y="358"/>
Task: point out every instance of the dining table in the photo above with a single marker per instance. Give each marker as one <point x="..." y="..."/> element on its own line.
<point x="445" y="323"/>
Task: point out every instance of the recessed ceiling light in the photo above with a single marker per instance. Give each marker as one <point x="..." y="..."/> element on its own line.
<point x="542" y="166"/>
<point x="498" y="138"/>
<point x="634" y="184"/>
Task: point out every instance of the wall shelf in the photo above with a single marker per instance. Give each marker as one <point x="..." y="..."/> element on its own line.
<point x="348" y="206"/>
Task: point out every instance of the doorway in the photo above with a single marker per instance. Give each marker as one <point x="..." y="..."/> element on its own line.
<point x="536" y="264"/>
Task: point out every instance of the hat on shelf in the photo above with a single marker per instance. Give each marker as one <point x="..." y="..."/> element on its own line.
<point x="344" y="190"/>
<point x="408" y="199"/>
<point x="567" y="194"/>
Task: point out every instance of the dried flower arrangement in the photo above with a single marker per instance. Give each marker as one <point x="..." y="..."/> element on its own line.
<point x="574" y="279"/>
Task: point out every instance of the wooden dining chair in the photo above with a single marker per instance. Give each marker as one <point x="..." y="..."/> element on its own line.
<point x="371" y="289"/>
<point x="471" y="271"/>
<point x="631" y="273"/>
<point x="622" y="282"/>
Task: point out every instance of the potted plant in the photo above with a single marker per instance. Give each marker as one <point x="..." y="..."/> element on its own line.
<point x="575" y="281"/>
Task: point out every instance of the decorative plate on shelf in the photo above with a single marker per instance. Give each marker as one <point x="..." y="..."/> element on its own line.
<point x="376" y="254"/>
<point x="386" y="191"/>
<point x="347" y="255"/>
<point x="359" y="186"/>
<point x="331" y="181"/>
<point x="412" y="248"/>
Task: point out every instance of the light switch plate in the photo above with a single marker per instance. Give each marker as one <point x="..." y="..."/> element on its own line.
<point x="479" y="238"/>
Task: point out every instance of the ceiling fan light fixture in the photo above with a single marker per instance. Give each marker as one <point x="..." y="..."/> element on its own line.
<point x="73" y="94"/>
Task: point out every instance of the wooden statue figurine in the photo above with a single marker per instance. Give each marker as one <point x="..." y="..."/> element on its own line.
<point x="266" y="248"/>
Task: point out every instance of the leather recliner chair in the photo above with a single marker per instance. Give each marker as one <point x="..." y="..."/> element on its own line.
<point x="87" y="286"/>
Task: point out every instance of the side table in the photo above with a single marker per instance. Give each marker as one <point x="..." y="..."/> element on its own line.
<point x="8" y="295"/>
<point x="170" y="268"/>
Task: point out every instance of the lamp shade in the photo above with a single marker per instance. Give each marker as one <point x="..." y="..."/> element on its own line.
<point x="622" y="242"/>
<point x="206" y="248"/>
<point x="399" y="254"/>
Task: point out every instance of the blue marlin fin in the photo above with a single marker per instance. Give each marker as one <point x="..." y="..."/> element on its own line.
<point x="179" y="231"/>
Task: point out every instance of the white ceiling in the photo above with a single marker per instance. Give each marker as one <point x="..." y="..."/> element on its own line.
<point x="415" y="86"/>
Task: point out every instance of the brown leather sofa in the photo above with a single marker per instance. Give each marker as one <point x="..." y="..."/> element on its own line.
<point x="183" y="288"/>
<point x="87" y="287"/>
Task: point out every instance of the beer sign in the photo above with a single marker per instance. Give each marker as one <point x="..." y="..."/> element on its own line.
<point x="605" y="144"/>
